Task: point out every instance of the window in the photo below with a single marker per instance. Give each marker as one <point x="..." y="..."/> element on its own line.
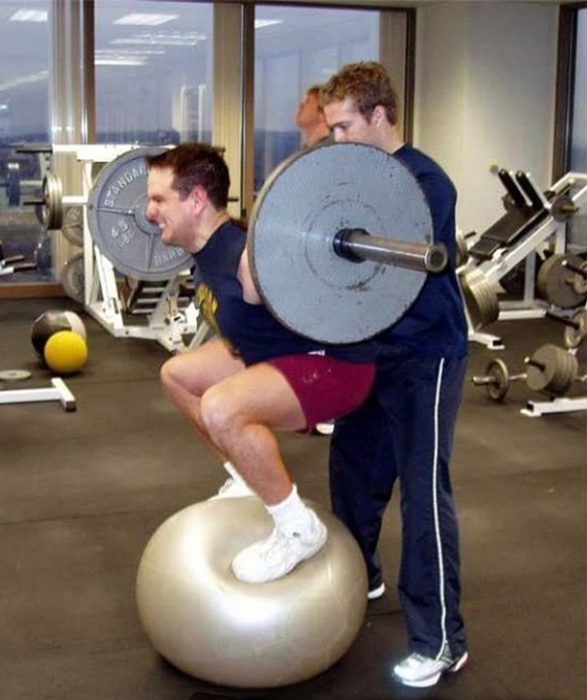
<point x="294" y="49"/>
<point x="24" y="119"/>
<point x="578" y="146"/>
<point x="577" y="229"/>
<point x="153" y="71"/>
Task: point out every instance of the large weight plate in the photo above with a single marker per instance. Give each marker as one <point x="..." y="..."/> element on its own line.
<point x="117" y="208"/>
<point x="559" y="285"/>
<point x="302" y="205"/>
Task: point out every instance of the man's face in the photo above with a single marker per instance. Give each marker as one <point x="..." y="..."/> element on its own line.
<point x="348" y="125"/>
<point x="165" y="208"/>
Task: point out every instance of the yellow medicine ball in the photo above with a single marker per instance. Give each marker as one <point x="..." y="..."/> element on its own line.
<point x="65" y="352"/>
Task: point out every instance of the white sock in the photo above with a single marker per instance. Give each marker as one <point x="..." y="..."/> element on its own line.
<point x="291" y="515"/>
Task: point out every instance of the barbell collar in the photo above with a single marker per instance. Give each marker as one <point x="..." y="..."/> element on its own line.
<point x="357" y="245"/>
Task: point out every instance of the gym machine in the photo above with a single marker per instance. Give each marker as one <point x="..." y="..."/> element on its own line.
<point x="534" y="222"/>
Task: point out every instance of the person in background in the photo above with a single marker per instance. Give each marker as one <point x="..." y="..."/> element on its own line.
<point x="314" y="131"/>
<point x="404" y="431"/>
<point x="310" y="119"/>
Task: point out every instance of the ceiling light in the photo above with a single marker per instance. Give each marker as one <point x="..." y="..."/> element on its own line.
<point x="109" y="57"/>
<point x="29" y="16"/>
<point x="24" y="80"/>
<point x="162" y="39"/>
<point x="120" y="61"/>
<point x="260" y="23"/>
<point x="142" y="19"/>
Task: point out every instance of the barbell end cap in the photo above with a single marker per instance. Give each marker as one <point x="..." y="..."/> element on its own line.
<point x="436" y="258"/>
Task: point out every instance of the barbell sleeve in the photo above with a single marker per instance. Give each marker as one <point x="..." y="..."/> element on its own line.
<point x="574" y="268"/>
<point x="535" y="363"/>
<point x="358" y="245"/>
<point x="562" y="319"/>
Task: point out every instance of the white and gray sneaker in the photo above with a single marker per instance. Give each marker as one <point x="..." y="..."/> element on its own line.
<point x="420" y="671"/>
<point x="233" y="488"/>
<point x="275" y="556"/>
<point x="376" y="593"/>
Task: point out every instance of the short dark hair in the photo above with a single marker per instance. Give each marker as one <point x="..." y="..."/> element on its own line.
<point x="368" y="84"/>
<point x="196" y="164"/>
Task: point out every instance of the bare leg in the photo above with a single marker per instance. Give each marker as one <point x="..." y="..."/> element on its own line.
<point x="187" y="376"/>
<point x="239" y="413"/>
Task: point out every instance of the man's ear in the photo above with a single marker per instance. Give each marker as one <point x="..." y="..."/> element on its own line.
<point x="378" y="116"/>
<point x="199" y="198"/>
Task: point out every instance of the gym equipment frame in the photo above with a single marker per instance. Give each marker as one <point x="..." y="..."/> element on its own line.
<point x="532" y="221"/>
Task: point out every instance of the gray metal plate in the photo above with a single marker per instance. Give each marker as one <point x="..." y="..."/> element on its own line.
<point x="305" y="201"/>
<point x="117" y="208"/>
<point x="73" y="277"/>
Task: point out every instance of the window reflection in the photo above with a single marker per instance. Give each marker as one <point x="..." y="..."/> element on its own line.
<point x="578" y="146"/>
<point x="294" y="49"/>
<point x="153" y="71"/>
<point x="24" y="119"/>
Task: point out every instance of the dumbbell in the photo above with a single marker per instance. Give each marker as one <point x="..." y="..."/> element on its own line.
<point x="550" y="369"/>
<point x="497" y="379"/>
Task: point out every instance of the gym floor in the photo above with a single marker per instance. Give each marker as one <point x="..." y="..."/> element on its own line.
<point x="81" y="494"/>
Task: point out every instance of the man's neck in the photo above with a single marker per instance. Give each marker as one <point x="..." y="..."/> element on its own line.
<point x="391" y="141"/>
<point x="208" y="227"/>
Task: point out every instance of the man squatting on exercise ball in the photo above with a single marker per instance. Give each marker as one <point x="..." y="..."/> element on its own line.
<point x="255" y="376"/>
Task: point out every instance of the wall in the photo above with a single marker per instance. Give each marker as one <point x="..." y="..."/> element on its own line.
<point x="485" y="87"/>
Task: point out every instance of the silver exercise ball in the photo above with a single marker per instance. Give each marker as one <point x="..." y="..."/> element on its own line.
<point x="209" y="624"/>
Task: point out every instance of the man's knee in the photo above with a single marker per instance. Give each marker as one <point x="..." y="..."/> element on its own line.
<point x="217" y="411"/>
<point x="167" y="373"/>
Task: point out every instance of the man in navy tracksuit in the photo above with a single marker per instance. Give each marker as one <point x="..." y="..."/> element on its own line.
<point x="405" y="430"/>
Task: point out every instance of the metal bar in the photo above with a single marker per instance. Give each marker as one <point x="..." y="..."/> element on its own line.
<point x="357" y="245"/>
<point x="57" y="392"/>
<point x="530" y="190"/>
<point x="511" y="187"/>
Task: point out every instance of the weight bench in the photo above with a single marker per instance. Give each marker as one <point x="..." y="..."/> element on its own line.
<point x="527" y="208"/>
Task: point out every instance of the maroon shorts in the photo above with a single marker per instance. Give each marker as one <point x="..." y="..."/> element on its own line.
<point x="326" y="388"/>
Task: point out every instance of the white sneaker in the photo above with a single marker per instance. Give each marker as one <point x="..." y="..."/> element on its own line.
<point x="420" y="671"/>
<point x="233" y="488"/>
<point x="325" y="428"/>
<point x="278" y="554"/>
<point x="376" y="593"/>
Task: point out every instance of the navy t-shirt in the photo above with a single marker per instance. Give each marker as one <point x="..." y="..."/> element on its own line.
<point x="251" y="330"/>
<point x="435" y="324"/>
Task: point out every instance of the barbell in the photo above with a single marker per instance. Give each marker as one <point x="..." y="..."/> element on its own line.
<point x="340" y="239"/>
<point x="340" y="242"/>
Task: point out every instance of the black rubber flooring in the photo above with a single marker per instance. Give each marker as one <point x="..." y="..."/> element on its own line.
<point x="81" y="493"/>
